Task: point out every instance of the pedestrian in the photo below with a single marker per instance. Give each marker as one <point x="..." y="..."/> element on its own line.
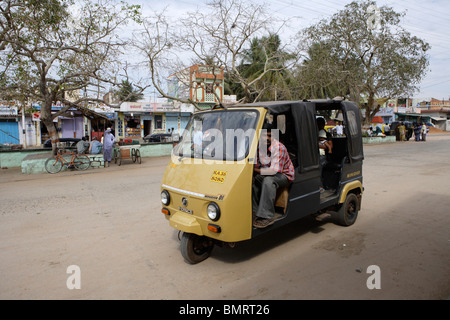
<point x="423" y="131"/>
<point x="417" y="132"/>
<point x="339" y="129"/>
<point x="387" y="130"/>
<point x="109" y="140"/>
<point x="402" y="131"/>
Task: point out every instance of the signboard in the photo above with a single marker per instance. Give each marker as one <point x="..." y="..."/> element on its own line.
<point x="8" y="111"/>
<point x="146" y="107"/>
<point x="36" y="116"/>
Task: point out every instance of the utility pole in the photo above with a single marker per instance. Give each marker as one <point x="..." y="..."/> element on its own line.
<point x="24" y="126"/>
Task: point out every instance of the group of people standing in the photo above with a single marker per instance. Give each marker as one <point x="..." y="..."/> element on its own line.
<point x="403" y="133"/>
<point x="420" y="132"/>
<point x="96" y="147"/>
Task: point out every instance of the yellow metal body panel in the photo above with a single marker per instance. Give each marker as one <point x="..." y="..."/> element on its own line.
<point x="348" y="187"/>
<point x="201" y="181"/>
<point x="186" y="223"/>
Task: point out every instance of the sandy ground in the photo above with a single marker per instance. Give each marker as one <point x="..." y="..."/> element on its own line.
<point x="108" y="222"/>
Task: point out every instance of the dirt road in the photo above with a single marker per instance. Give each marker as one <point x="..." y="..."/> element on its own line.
<point x="108" y="223"/>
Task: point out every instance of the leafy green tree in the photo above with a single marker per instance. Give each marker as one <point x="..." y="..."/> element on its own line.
<point x="264" y="60"/>
<point x="371" y="52"/>
<point x="127" y="92"/>
<point x="324" y="74"/>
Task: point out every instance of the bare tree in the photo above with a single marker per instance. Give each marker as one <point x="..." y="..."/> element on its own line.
<point x="217" y="36"/>
<point x="157" y="45"/>
<point x="51" y="49"/>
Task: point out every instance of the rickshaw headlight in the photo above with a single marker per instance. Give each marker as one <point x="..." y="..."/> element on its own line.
<point x="165" y="197"/>
<point x="213" y="211"/>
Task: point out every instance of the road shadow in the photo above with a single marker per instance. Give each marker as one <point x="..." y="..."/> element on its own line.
<point x="249" y="249"/>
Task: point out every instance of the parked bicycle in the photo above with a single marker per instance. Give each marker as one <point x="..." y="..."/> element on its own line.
<point x="78" y="161"/>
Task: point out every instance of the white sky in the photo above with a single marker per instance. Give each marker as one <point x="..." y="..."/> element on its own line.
<point x="426" y="19"/>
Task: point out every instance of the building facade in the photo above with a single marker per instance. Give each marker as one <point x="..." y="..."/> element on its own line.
<point x="201" y="84"/>
<point x="136" y="120"/>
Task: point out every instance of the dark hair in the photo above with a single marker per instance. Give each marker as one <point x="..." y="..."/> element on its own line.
<point x="320" y="121"/>
<point x="268" y="126"/>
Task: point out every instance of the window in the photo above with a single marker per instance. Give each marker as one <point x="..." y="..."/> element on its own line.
<point x="209" y="87"/>
<point x="219" y="135"/>
<point x="158" y="121"/>
<point x="352" y="124"/>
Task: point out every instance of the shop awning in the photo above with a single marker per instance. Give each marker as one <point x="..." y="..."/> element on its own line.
<point x="377" y="119"/>
<point x="90" y="113"/>
<point x="410" y="114"/>
<point x="437" y="118"/>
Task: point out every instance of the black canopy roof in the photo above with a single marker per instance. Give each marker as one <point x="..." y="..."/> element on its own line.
<point x="304" y="115"/>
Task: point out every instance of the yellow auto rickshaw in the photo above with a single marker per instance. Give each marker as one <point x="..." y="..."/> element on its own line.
<point x="206" y="190"/>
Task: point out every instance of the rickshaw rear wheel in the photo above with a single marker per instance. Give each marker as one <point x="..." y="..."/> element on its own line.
<point x="194" y="248"/>
<point x="348" y="212"/>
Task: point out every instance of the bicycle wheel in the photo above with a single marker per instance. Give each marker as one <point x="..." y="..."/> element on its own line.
<point x="53" y="165"/>
<point x="81" y="162"/>
<point x="118" y="157"/>
<point x="138" y="156"/>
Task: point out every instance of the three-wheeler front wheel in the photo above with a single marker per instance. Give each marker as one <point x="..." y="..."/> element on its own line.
<point x="194" y="248"/>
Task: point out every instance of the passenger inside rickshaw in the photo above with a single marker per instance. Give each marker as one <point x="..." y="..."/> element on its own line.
<point x="335" y="155"/>
<point x="285" y="125"/>
<point x="273" y="174"/>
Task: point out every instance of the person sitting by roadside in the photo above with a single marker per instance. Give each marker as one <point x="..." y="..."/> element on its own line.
<point x="95" y="146"/>
<point x="83" y="145"/>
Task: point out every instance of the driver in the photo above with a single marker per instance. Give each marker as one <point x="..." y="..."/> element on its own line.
<point x="271" y="172"/>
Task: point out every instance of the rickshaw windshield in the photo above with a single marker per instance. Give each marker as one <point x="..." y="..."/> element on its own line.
<point x="219" y="135"/>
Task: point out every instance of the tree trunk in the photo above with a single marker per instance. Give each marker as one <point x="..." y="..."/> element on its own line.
<point x="47" y="120"/>
<point x="369" y="108"/>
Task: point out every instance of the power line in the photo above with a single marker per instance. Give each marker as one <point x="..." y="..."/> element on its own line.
<point x="436" y="84"/>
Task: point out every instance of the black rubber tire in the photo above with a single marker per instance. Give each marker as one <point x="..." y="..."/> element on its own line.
<point x="82" y="162"/>
<point x="194" y="248"/>
<point x="138" y="156"/>
<point x="117" y="157"/>
<point x="348" y="212"/>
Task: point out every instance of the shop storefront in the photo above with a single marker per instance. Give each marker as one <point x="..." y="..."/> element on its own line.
<point x="74" y="123"/>
<point x="105" y="118"/>
<point x="16" y="128"/>
<point x="139" y="119"/>
<point x="70" y="125"/>
<point x="9" y="125"/>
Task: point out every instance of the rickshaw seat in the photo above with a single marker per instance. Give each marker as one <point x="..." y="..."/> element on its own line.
<point x="282" y="197"/>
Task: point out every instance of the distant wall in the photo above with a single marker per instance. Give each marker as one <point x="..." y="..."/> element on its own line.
<point x="378" y="140"/>
<point x="14" y="158"/>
